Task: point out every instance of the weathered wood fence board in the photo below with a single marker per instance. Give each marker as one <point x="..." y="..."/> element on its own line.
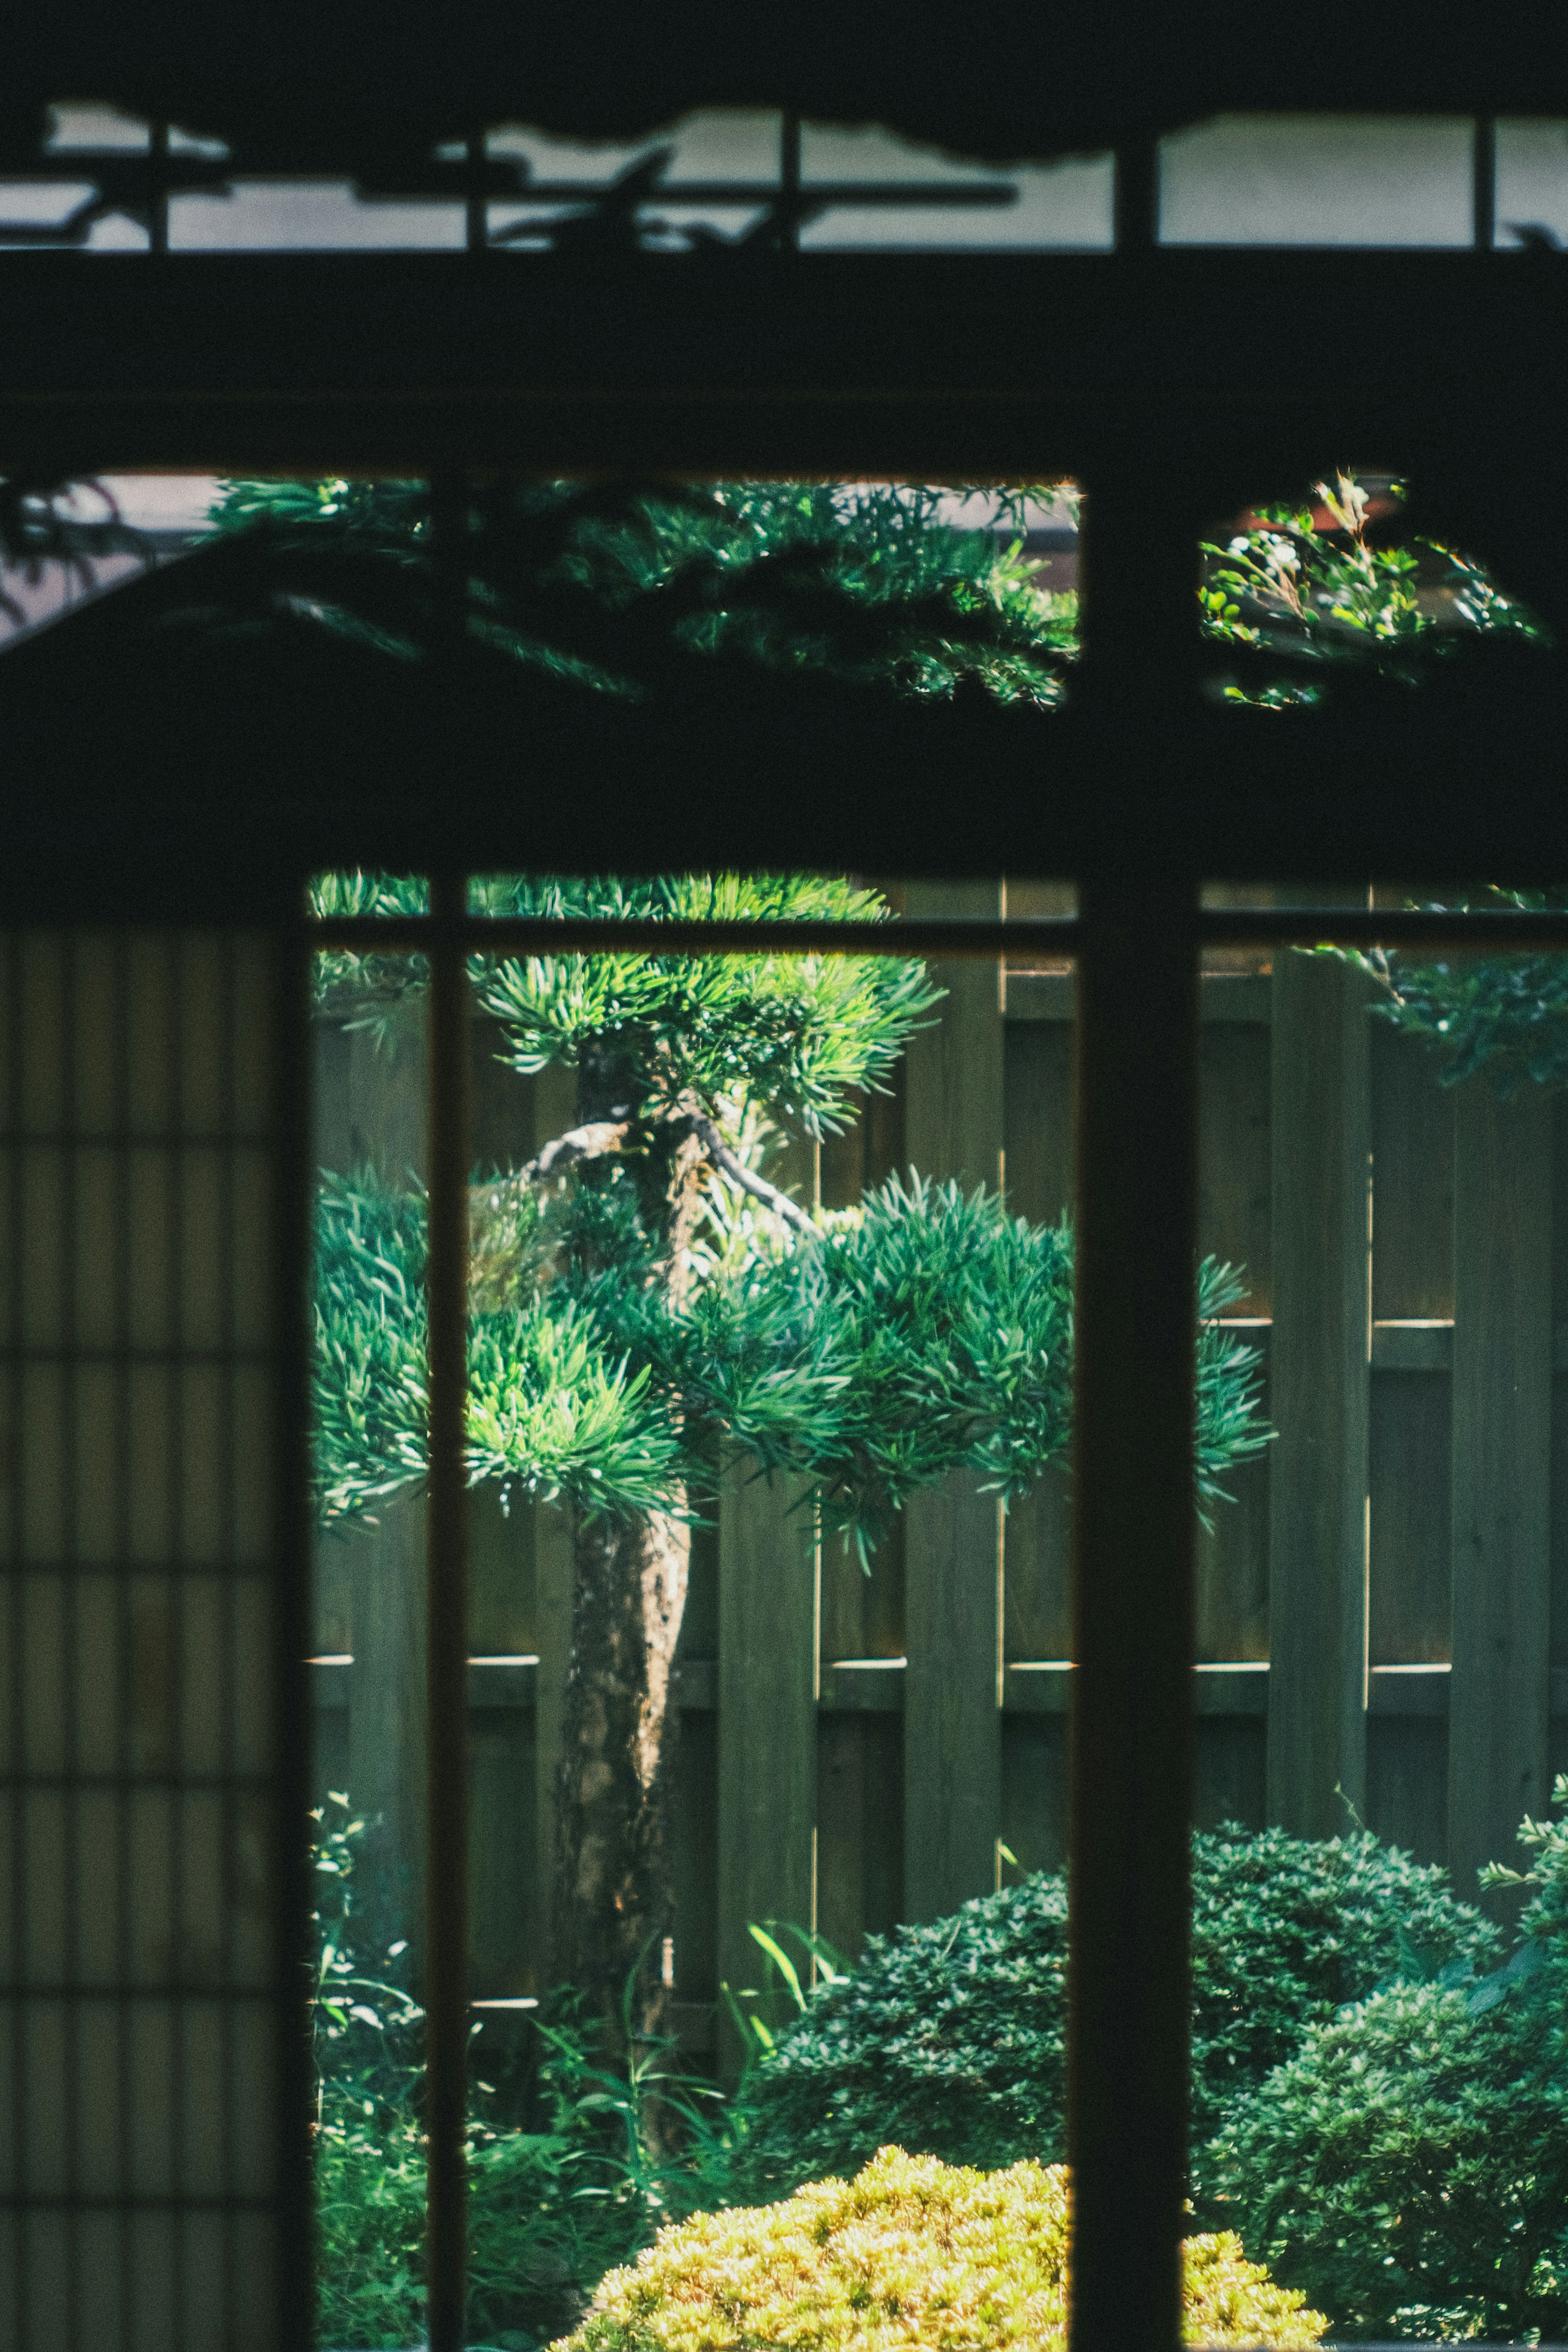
<point x="1320" y="1351"/>
<point x="1385" y="1605"/>
<point x="1501" y="1471"/>
<point x="767" y="1721"/>
<point x="953" y="1130"/>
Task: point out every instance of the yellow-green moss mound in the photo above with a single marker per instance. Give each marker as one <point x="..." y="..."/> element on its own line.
<point x="913" y="2252"/>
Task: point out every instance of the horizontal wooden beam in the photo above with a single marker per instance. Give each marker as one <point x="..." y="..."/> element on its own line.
<point x="1222" y="996"/>
<point x="753" y="362"/>
<point x="1030" y="1688"/>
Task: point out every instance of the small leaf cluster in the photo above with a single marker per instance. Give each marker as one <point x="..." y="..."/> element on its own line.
<point x="952" y="2037"/>
<point x="1286" y="590"/>
<point x="910" y="2251"/>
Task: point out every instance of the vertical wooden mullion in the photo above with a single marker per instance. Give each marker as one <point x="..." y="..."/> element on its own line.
<point x="294" y="1200"/>
<point x="1321" y="1115"/>
<point x="1498" y="1698"/>
<point x="952" y="1725"/>
<point x="1134" y="1534"/>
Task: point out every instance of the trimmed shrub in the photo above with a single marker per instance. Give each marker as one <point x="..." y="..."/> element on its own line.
<point x="951" y="2040"/>
<point x="1408" y="2170"/>
<point x="913" y="2251"/>
<point x="1410" y="2163"/>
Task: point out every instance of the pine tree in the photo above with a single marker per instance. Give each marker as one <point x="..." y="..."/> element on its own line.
<point x="644" y="1298"/>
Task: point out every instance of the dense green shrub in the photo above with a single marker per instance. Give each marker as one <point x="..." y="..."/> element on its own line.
<point x="1286" y="1930"/>
<point x="949" y="2039"/>
<point x="1409" y="2170"/>
<point x="1409" y="2164"/>
<point x="913" y="2252"/>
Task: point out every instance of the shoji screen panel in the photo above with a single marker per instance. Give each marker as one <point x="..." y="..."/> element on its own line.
<point x="141" y="2005"/>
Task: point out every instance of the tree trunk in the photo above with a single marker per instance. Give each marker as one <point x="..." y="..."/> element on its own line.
<point x="614" y="1895"/>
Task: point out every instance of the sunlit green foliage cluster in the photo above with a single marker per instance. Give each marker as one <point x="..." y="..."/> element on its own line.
<point x="911" y="2251"/>
<point x="795" y="1032"/>
<point x="1287" y="591"/>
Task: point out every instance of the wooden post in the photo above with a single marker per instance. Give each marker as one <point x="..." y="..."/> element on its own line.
<point x="1321" y="1349"/>
<point x="1134" y="1532"/>
<point x="952" y="1575"/>
<point x="1502" y="1473"/>
<point x="767" y="1723"/>
<point x="953" y="1722"/>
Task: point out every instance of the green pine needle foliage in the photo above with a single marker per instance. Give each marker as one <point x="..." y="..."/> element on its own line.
<point x="548" y="1405"/>
<point x="794" y="1033"/>
<point x="928" y="1332"/>
<point x="608" y="584"/>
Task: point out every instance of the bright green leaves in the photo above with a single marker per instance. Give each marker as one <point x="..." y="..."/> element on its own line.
<point x="1288" y="588"/>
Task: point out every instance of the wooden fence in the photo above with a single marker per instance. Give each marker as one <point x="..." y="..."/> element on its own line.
<point x="1382" y="1613"/>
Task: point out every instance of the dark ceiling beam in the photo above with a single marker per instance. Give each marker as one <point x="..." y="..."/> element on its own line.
<point x="1246" y="361"/>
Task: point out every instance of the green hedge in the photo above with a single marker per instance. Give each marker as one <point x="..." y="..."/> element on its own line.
<point x="949" y="2040"/>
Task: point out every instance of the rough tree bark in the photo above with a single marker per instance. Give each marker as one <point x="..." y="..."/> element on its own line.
<point x="614" y="1897"/>
<point x="614" y="1894"/>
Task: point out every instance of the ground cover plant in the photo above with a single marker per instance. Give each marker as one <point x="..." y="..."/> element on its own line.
<point x="552" y="2204"/>
<point x="912" y="2251"/>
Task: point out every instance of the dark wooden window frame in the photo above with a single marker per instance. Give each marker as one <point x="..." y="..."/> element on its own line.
<point x="1147" y="793"/>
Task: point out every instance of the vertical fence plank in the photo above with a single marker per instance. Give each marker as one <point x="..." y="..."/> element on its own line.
<point x="1501" y="1472"/>
<point x="1318" y="1385"/>
<point x="767" y="1722"/>
<point x="554" y="1110"/>
<point x="1038" y="1132"/>
<point x="953" y="1724"/>
<point x="953" y="1746"/>
<point x="386" y="1726"/>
